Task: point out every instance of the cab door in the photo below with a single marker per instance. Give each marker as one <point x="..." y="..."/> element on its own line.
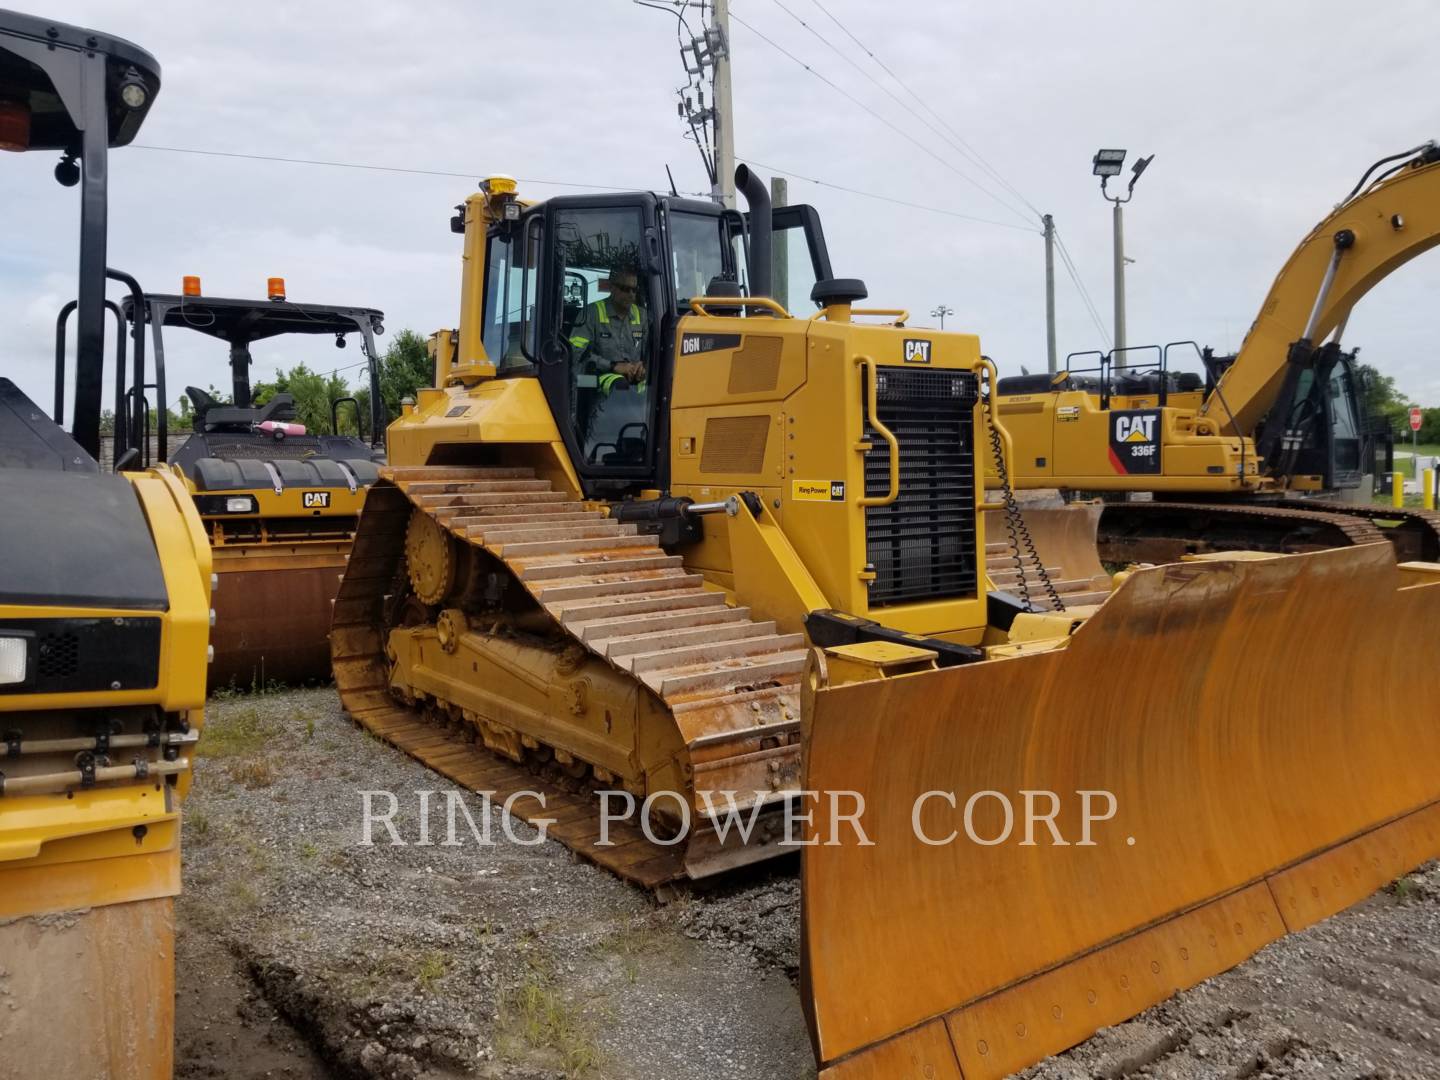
<point x="593" y="326"/>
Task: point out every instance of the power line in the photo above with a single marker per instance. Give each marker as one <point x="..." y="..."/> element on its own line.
<point x="978" y="157"/>
<point x="368" y="168"/>
<point x="860" y="104"/>
<point x="883" y="198"/>
<point x="1080" y="287"/>
<point x="959" y="147"/>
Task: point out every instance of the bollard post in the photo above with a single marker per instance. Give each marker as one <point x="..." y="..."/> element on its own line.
<point x="1428" y="496"/>
<point x="1397" y="490"/>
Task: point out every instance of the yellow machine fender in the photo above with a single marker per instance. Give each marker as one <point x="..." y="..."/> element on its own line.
<point x="1268" y="763"/>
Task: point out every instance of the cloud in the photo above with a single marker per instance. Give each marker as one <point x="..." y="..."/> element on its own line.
<point x="1255" y="129"/>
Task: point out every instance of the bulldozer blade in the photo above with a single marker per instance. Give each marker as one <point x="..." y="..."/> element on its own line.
<point x="272" y="613"/>
<point x="1268" y="764"/>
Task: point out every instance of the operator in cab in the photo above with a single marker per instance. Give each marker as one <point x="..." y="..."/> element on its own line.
<point x="612" y="333"/>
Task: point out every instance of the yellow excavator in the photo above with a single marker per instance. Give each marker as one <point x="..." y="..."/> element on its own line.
<point x="104" y="620"/>
<point x="1242" y="456"/>
<point x="695" y="580"/>
<point x="278" y="501"/>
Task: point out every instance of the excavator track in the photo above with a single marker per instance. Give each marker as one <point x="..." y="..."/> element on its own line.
<point x="728" y="683"/>
<point x="1415" y="533"/>
<point x="1164" y="531"/>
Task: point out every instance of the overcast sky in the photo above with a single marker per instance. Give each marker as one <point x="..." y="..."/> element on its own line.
<point x="1260" y="115"/>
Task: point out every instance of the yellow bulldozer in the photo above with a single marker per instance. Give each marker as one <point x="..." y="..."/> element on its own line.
<point x="1243" y="455"/>
<point x="696" y="580"/>
<point x="278" y="501"/>
<point x="104" y="619"/>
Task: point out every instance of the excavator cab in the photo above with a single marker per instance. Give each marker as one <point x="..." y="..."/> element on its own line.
<point x="104" y="624"/>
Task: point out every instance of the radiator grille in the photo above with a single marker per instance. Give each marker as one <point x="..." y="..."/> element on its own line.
<point x="923" y="546"/>
<point x="734" y="444"/>
<point x="58" y="656"/>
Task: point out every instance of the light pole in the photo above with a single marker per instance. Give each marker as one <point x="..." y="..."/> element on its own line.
<point x="940" y="313"/>
<point x="1108" y="163"/>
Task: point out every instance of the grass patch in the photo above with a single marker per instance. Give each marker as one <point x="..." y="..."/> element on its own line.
<point x="432" y="968"/>
<point x="535" y="1016"/>
<point x="234" y="732"/>
<point x="627" y="945"/>
<point x="255" y="773"/>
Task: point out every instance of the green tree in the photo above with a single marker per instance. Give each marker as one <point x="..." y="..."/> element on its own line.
<point x="312" y="392"/>
<point x="1383" y="399"/>
<point x="404" y="368"/>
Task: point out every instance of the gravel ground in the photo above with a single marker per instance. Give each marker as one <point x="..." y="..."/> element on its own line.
<point x="305" y="954"/>
<point x="431" y="961"/>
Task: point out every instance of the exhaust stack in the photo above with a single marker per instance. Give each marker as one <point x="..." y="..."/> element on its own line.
<point x="757" y="198"/>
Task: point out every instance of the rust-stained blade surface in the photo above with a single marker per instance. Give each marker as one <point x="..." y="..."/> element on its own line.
<point x="1257" y="724"/>
<point x="272" y="613"/>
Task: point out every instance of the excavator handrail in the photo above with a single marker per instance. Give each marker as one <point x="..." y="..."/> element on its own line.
<point x="697" y="304"/>
<point x="872" y="416"/>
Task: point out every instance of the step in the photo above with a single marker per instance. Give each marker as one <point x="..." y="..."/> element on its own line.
<point x="588" y="611"/>
<point x="689" y="655"/>
<point x="741" y="673"/>
<point x="600" y="629"/>
<point x="561" y="547"/>
<point x="621" y="585"/>
<point x="611" y="564"/>
<point x="616" y="648"/>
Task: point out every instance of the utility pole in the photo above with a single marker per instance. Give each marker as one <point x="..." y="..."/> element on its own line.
<point x="940" y="313"/>
<point x="780" y="276"/>
<point x="1049" y="223"/>
<point x="724" y="113"/>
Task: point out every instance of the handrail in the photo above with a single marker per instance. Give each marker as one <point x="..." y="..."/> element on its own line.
<point x="335" y="415"/>
<point x="900" y="315"/>
<point x="1007" y="444"/>
<point x="61" y="342"/>
<point x="872" y="415"/>
<point x="697" y="304"/>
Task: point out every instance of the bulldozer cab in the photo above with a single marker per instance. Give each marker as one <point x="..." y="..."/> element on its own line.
<point x="585" y="293"/>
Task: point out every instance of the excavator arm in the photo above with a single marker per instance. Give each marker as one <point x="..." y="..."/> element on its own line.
<point x="1370" y="235"/>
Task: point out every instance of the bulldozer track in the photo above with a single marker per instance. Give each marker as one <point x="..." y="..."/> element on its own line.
<point x="729" y="683"/>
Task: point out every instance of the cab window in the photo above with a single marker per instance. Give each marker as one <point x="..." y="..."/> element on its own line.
<point x="606" y="331"/>
<point x="696" y="255"/>
<point x="510" y="296"/>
